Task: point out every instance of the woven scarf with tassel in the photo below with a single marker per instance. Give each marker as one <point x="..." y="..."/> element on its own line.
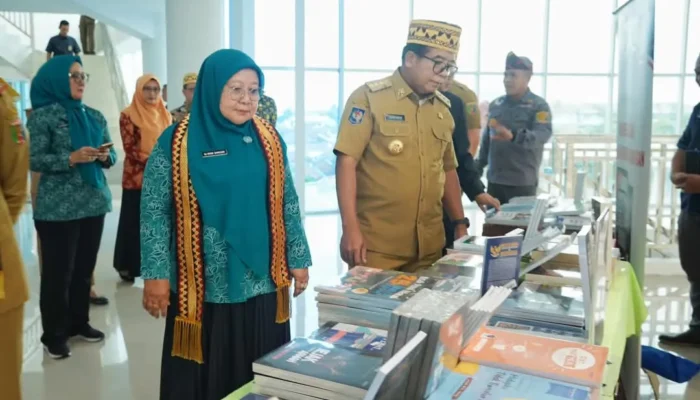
<point x="187" y="342"/>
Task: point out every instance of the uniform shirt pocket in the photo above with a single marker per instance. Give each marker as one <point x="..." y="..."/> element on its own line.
<point x="437" y="144"/>
<point x="395" y="141"/>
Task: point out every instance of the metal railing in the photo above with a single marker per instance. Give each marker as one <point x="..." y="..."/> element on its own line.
<point x="115" y="70"/>
<point x="565" y="155"/>
<point x="20" y="20"/>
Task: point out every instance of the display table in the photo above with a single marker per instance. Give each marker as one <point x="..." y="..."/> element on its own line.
<point x="240" y="393"/>
<point x="625" y="312"/>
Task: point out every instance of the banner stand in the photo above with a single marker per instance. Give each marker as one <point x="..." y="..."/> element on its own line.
<point x="635" y="43"/>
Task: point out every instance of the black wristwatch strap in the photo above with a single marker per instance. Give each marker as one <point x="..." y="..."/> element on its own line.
<point x="463" y="221"/>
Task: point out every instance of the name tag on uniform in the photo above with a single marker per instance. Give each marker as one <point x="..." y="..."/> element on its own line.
<point x="395" y="117"/>
<point x="214" y="153"/>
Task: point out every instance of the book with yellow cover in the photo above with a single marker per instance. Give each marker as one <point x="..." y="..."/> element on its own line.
<point x="561" y="360"/>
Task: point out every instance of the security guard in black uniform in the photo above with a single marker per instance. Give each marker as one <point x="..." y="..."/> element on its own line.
<point x="512" y="144"/>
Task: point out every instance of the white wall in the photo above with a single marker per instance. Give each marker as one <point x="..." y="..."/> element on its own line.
<point x="128" y="49"/>
<point x="133" y="16"/>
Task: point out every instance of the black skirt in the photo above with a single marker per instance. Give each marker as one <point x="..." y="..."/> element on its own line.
<point x="234" y="335"/>
<point x="127" y="250"/>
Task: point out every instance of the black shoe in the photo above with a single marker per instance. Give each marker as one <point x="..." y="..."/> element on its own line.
<point x="126" y="277"/>
<point x="99" y="301"/>
<point x="691" y="337"/>
<point x="90" y="334"/>
<point x="57" y="351"/>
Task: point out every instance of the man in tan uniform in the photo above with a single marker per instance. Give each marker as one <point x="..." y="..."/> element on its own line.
<point x="396" y="162"/>
<point x="14" y="167"/>
<point x="471" y="110"/>
<point x="189" y="81"/>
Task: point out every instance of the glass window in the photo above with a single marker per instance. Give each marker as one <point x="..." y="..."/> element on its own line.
<point x="665" y="106"/>
<point x="579" y="36"/>
<point x="691" y="97"/>
<point x="321" y="132"/>
<point x="464" y="13"/>
<point x="280" y="86"/>
<point x="616" y="92"/>
<point x="321" y="31"/>
<point x="579" y="104"/>
<point x="375" y="33"/>
<point x="693" y="36"/>
<point x="275" y="33"/>
<point x="353" y="80"/>
<point x="511" y="25"/>
<point x="668" y="32"/>
<point x="491" y="87"/>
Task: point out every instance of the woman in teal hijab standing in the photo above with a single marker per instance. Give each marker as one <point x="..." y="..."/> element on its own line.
<point x="222" y="241"/>
<point x="70" y="148"/>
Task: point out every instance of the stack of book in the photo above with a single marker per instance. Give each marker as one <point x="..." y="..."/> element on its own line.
<point x="425" y="312"/>
<point x="520" y="215"/>
<point x="458" y="263"/>
<point x="536" y="303"/>
<point x="367" y="296"/>
<point x="392" y="379"/>
<point x="339" y="361"/>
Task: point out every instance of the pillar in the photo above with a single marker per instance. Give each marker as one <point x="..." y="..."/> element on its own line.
<point x="194" y="30"/>
<point x="242" y="26"/>
<point x="154" y="52"/>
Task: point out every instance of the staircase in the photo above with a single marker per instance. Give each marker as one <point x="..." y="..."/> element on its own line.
<point x="16" y="44"/>
<point x="105" y="90"/>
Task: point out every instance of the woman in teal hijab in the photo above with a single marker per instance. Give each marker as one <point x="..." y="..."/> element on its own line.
<point x="222" y="239"/>
<point x="67" y="149"/>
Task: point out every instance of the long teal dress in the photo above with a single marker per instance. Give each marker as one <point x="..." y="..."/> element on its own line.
<point x="238" y="320"/>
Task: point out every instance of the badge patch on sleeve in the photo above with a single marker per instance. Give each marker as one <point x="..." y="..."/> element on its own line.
<point x="542" y="117"/>
<point x="472" y="108"/>
<point x="356" y="116"/>
<point x="17" y="133"/>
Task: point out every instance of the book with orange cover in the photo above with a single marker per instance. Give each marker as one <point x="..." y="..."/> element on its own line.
<point x="577" y="363"/>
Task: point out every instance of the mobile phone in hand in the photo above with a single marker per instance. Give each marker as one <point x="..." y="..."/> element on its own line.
<point x="106" y="146"/>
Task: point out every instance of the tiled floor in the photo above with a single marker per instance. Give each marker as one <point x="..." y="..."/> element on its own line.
<point x="127" y="364"/>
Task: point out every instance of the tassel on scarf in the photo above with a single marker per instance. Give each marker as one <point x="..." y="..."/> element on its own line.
<point x="187" y="340"/>
<point x="284" y="310"/>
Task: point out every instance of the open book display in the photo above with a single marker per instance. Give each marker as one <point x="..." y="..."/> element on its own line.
<point x="478" y="324"/>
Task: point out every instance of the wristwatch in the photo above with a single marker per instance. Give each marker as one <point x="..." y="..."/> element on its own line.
<point x="463" y="221"/>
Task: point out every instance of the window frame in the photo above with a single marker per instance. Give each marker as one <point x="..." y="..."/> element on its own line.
<point x="301" y="68"/>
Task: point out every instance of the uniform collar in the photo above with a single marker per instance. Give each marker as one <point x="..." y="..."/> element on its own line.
<point x="402" y="89"/>
<point x="526" y="97"/>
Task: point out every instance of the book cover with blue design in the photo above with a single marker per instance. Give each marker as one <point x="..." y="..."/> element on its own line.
<point x="320" y="364"/>
<point x="363" y="340"/>
<point x="471" y="381"/>
<point x="389" y="288"/>
<point x="501" y="261"/>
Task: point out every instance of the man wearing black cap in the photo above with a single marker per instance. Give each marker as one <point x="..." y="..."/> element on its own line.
<point x="519" y="125"/>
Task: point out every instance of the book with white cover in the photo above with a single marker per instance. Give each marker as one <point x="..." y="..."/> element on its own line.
<point x="391" y="379"/>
